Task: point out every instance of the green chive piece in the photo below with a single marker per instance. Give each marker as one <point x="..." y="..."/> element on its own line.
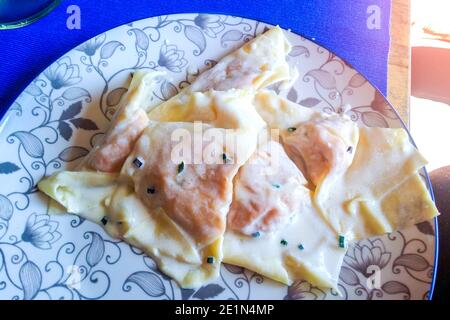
<point x="138" y="162"/>
<point x="256" y="234"/>
<point x="301" y="247"/>
<point x="341" y="241"/>
<point x="104" y="220"/>
<point x="284" y="242"/>
<point x="291" y="129"/>
<point x="210" y="260"/>
<point x="276" y="185"/>
<point x="224" y="157"/>
<point x="181" y="167"/>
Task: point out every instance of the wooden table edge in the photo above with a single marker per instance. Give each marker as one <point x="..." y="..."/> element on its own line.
<point x="399" y="61"/>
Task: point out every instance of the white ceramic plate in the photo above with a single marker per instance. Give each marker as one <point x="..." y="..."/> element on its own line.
<point x="55" y="121"/>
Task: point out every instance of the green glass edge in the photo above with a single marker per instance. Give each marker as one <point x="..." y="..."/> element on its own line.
<point x="31" y="19"/>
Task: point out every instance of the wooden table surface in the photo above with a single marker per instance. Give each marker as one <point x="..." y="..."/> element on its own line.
<point x="399" y="64"/>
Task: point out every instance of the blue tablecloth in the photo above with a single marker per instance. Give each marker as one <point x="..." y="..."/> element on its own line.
<point x="339" y="25"/>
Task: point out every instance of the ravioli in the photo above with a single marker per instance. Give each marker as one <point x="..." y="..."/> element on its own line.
<point x="376" y="166"/>
<point x="69" y="189"/>
<point x="322" y="148"/>
<point x="257" y="64"/>
<point x="280" y="113"/>
<point x="268" y="192"/>
<point x="384" y="161"/>
<point x="274" y="227"/>
<point x="402" y="204"/>
<point x="230" y="109"/>
<point x="306" y="249"/>
<point x="127" y="125"/>
<point x="174" y="172"/>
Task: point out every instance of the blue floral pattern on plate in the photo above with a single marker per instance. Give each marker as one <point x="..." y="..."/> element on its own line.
<point x="61" y="114"/>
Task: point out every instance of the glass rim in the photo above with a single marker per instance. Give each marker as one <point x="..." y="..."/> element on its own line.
<point x="33" y="18"/>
